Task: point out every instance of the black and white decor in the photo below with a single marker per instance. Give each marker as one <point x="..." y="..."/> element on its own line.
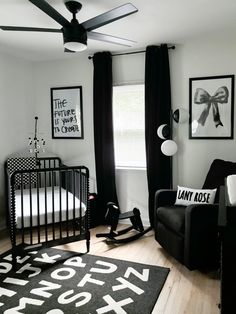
<point x="67" y="112"/>
<point x="53" y="281"/>
<point x="16" y="163"/>
<point x="211" y="107"/>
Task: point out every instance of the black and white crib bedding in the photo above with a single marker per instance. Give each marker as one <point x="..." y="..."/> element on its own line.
<point x="49" y="205"/>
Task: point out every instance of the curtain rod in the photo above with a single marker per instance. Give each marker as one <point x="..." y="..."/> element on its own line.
<point x="129" y="53"/>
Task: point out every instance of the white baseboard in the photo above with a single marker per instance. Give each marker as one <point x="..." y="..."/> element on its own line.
<point x="146" y="222"/>
<point x="127" y="222"/>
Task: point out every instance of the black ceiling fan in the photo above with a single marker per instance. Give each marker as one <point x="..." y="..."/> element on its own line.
<point x="75" y="34"/>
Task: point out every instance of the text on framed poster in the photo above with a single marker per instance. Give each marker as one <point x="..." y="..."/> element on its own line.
<point x="67" y="113"/>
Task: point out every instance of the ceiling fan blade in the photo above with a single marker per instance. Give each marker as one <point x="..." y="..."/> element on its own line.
<point x="49" y="10"/>
<point x="30" y="29"/>
<point x="109" y="16"/>
<point x="110" y="39"/>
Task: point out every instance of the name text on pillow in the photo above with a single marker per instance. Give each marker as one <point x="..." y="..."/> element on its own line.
<point x="198" y="197"/>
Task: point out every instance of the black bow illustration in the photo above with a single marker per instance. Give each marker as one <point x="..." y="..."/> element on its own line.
<point x="203" y="97"/>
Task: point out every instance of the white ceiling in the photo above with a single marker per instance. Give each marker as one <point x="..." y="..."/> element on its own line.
<point x="157" y="21"/>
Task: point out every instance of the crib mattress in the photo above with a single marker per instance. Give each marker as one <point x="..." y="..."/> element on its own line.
<point x="45" y="204"/>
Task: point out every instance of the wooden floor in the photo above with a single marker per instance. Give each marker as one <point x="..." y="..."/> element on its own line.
<point x="184" y="292"/>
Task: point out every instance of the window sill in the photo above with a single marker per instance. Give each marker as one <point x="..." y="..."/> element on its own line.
<point x="128" y="168"/>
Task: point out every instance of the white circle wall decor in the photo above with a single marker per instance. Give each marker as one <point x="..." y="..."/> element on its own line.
<point x="169" y="148"/>
<point x="163" y="131"/>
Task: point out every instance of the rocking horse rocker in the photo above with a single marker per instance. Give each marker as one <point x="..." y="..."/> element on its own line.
<point x="113" y="215"/>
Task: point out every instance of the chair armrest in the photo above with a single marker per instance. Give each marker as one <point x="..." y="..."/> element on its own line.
<point x="222" y="216"/>
<point x="165" y="197"/>
<point x="201" y="235"/>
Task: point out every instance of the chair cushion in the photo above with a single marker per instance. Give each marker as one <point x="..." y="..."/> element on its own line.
<point x="172" y="217"/>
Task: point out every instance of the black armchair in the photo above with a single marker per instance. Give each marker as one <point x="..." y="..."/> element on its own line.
<point x="190" y="233"/>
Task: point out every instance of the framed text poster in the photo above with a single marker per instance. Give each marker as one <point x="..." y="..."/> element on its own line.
<point x="67" y="112"/>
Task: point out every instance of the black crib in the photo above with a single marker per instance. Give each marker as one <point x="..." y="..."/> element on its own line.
<point x="48" y="203"/>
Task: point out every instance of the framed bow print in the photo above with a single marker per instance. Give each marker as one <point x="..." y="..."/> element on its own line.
<point x="211" y="107"/>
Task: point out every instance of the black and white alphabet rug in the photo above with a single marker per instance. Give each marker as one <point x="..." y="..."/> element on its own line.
<point x="53" y="281"/>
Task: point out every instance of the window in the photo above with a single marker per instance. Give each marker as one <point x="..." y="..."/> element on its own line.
<point x="128" y="121"/>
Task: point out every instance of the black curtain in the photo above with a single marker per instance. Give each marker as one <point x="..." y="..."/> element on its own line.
<point x="157" y="112"/>
<point x="103" y="133"/>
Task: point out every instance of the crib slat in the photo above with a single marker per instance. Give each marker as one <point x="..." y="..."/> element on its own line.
<point x="39" y="173"/>
<point x="31" y="218"/>
<point x="49" y="166"/>
<point x="80" y="199"/>
<point x="38" y="208"/>
<point x="46" y="206"/>
<point x="22" y="207"/>
<point x="60" y="216"/>
<point x="87" y="220"/>
<point x="67" y="211"/>
<point x="53" y="205"/>
<point x="73" y="190"/>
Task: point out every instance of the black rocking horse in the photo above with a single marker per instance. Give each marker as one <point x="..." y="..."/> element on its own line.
<point x="113" y="215"/>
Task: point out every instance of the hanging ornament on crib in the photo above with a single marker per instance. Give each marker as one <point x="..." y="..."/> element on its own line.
<point x="43" y="145"/>
<point x="30" y="142"/>
<point x="35" y="145"/>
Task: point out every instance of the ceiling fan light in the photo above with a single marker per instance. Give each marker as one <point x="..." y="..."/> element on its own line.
<point x="75" y="37"/>
<point x="75" y="46"/>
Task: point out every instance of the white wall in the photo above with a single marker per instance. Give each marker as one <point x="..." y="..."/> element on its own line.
<point x="71" y="72"/>
<point x="17" y="112"/>
<point x="204" y="56"/>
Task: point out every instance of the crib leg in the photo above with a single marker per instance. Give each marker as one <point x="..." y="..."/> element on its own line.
<point x="88" y="241"/>
<point x="14" y="255"/>
<point x="13" y="245"/>
<point x="88" y="245"/>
